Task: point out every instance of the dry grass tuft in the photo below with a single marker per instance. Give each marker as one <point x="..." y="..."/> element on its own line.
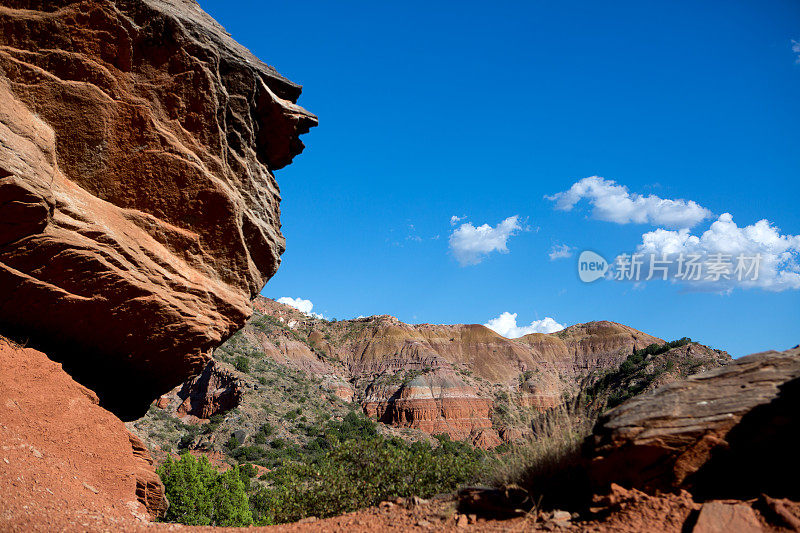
<point x="550" y="465"/>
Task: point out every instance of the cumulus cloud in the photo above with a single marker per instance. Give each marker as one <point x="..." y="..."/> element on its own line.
<point x="614" y="203"/>
<point x="304" y="306"/>
<point x="796" y="50"/>
<point x="779" y="255"/>
<point x="455" y="220"/>
<point x="506" y="325"/>
<point x="561" y="251"/>
<point x="470" y="245"/>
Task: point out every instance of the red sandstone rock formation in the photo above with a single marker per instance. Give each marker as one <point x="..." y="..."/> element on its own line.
<point x="440" y="378"/>
<point x="215" y="390"/>
<point x="727" y="433"/>
<point x="138" y="208"/>
<point x="435" y="402"/>
<point x="65" y="461"/>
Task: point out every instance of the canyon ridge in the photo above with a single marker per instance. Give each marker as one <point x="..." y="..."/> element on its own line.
<point x="139" y="222"/>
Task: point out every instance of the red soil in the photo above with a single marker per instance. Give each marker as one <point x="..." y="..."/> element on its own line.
<point x="65" y="462"/>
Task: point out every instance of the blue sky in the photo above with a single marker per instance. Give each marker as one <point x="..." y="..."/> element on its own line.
<point x="434" y="110"/>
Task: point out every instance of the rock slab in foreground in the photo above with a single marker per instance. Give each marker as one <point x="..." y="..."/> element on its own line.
<point x="727" y="433"/>
<point x="138" y="209"/>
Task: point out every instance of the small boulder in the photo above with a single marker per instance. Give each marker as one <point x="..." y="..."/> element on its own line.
<point x="721" y="517"/>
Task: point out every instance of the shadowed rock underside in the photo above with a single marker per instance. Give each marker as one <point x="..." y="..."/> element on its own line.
<point x="139" y="213"/>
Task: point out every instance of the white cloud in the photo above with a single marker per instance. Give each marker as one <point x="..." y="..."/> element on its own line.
<point x="613" y="203"/>
<point x="506" y="325"/>
<point x="470" y="244"/>
<point x="796" y="50"/>
<point x="562" y="251"/>
<point x="304" y="306"/>
<point x="780" y="254"/>
<point x="455" y="220"/>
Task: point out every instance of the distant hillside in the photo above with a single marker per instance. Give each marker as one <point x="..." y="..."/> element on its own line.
<point x="275" y="382"/>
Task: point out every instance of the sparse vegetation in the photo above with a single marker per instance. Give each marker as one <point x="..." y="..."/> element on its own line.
<point x="347" y="466"/>
<point x="636" y="374"/>
<point x="549" y="464"/>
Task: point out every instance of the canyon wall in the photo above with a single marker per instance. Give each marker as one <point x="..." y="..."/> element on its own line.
<point x="462" y="380"/>
<point x="139" y="213"/>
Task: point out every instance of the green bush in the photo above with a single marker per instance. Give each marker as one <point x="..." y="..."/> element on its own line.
<point x="291" y="415"/>
<point x="356" y="473"/>
<point x="199" y="495"/>
<point x="242" y="364"/>
<point x="248" y="453"/>
<point x="232" y="444"/>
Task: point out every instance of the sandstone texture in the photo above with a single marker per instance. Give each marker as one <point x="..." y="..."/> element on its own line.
<point x="726" y="433"/>
<point x="65" y="462"/>
<point x="436" y="402"/>
<point x="139" y="213"/>
<point x="721" y="517"/>
<point x="214" y="391"/>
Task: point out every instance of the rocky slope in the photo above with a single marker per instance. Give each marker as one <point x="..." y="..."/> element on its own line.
<point x="63" y="456"/>
<point x="462" y="380"/>
<point x="138" y="208"/>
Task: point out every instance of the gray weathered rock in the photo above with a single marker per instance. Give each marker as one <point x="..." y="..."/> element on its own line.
<point x="729" y="432"/>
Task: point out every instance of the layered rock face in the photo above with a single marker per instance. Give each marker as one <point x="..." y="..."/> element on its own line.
<point x="727" y="433"/>
<point x="435" y="402"/>
<point x="138" y="209"/>
<point x="66" y="463"/>
<point x="440" y="378"/>
<point x="583" y="348"/>
<point x="214" y="391"/>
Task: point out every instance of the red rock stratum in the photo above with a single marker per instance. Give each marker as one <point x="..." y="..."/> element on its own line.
<point x="139" y="213"/>
<point x="442" y="378"/>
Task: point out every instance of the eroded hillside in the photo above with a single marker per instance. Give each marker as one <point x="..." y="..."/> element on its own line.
<point x="280" y="378"/>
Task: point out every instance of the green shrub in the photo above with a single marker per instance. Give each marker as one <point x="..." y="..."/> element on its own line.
<point x="199" y="495"/>
<point x="291" y="415"/>
<point x="357" y="473"/>
<point x="248" y="453"/>
<point x="232" y="444"/>
<point x="242" y="364"/>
